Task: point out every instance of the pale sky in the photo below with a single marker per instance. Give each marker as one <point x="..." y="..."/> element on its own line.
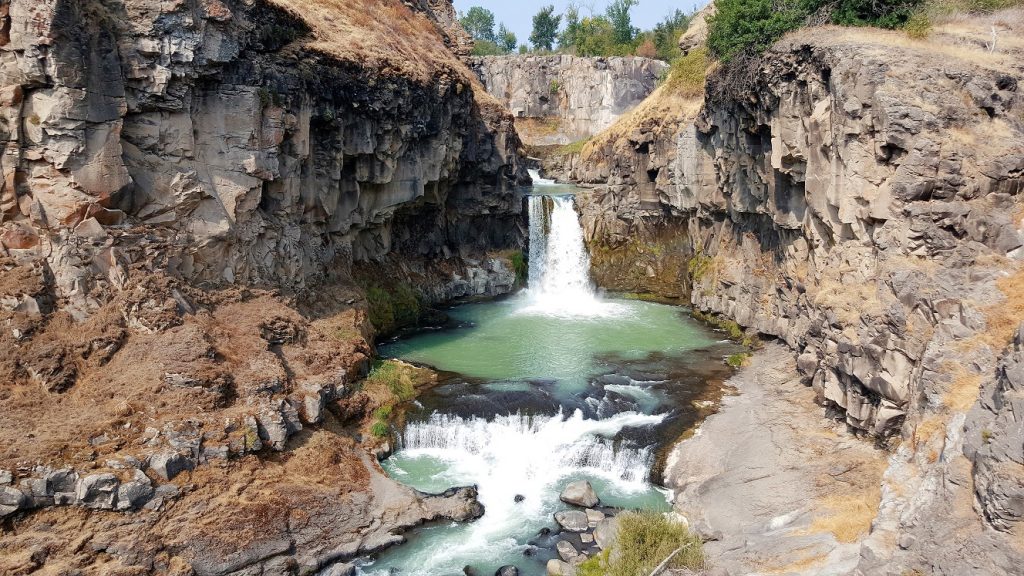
<point x="518" y="14"/>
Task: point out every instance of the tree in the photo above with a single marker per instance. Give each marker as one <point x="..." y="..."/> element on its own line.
<point x="545" y="28"/>
<point x="506" y="40"/>
<point x="596" y="37"/>
<point x="667" y="32"/>
<point x="569" y="37"/>
<point x="622" y="24"/>
<point x="479" y="22"/>
<point x="647" y="49"/>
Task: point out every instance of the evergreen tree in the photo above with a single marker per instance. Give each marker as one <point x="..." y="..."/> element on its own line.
<point x="506" y="40"/>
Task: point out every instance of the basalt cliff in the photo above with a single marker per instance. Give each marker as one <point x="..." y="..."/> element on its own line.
<point x="855" y="195"/>
<point x="196" y="197"/>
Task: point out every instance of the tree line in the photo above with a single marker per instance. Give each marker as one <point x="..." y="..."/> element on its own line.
<point x="610" y="33"/>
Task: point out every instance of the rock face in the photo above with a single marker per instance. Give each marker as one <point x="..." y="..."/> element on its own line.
<point x="189" y="192"/>
<point x="858" y="199"/>
<point x="253" y="155"/>
<point x="563" y="99"/>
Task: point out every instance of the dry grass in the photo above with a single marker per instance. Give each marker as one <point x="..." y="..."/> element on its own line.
<point x="807" y="560"/>
<point x="849" y="300"/>
<point x="963" y="390"/>
<point x="930" y="428"/>
<point x="382" y="34"/>
<point x="959" y="38"/>
<point x="848" y="516"/>
<point x="1002" y="319"/>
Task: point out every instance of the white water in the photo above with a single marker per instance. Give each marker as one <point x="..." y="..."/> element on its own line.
<point x="516" y="455"/>
<point x="538" y="181"/>
<point x="559" y="263"/>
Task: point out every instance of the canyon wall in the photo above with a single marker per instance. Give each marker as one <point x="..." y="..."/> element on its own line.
<point x="563" y="99"/>
<point x="196" y="198"/>
<point x="856" y="196"/>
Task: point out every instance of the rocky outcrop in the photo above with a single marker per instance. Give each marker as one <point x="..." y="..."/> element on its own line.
<point x="188" y="190"/>
<point x="564" y="99"/>
<point x="859" y="199"/>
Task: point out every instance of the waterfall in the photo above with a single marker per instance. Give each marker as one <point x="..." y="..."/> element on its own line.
<point x="538" y="181"/>
<point x="530" y="456"/>
<point x="559" y="264"/>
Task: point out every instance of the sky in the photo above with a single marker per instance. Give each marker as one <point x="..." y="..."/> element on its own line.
<point x="518" y="14"/>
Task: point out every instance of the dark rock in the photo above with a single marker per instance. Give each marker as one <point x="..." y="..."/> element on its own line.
<point x="507" y="571"/>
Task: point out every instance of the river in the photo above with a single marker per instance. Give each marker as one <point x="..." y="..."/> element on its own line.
<point x="550" y="385"/>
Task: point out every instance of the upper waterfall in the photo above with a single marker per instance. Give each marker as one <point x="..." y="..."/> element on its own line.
<point x="559" y="280"/>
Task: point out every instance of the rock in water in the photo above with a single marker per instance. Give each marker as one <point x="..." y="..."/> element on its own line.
<point x="604" y="534"/>
<point x="558" y="568"/>
<point x="507" y="571"/>
<point x="566" y="550"/>
<point x="572" y="520"/>
<point x="580" y="494"/>
<point x="519" y="498"/>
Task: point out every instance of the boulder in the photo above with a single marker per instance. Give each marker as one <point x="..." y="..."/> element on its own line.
<point x="508" y="570"/>
<point x="605" y="533"/>
<point x="132" y="495"/>
<point x="580" y="494"/>
<point x="558" y="568"/>
<point x="12" y="500"/>
<point x="566" y="551"/>
<point x="572" y="520"/>
<point x="167" y="465"/>
<point x="594" y="516"/>
<point x="98" y="491"/>
<point x="6" y="478"/>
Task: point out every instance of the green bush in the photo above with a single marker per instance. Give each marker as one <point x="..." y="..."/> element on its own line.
<point x="737" y="360"/>
<point x="754" y="25"/>
<point x="391" y="374"/>
<point x="392" y="309"/>
<point x="519" y="265"/>
<point x="689" y="72"/>
<point x="382" y="413"/>
<point x="380" y="429"/>
<point x="644" y="540"/>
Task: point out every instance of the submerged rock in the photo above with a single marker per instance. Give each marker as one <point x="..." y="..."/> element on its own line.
<point x="580" y="494"/>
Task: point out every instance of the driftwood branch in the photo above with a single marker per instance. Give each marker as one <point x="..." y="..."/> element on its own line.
<point x="664" y="563"/>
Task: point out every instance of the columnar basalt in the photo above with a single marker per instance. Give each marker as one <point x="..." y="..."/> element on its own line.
<point x="564" y="99"/>
<point x="187" y="188"/>
<point x="857" y="197"/>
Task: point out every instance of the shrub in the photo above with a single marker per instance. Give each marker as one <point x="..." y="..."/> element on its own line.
<point x="380" y="429"/>
<point x="392" y="309"/>
<point x="390" y="374"/>
<point x="382" y="413"/>
<point x="689" y="72"/>
<point x="522" y="269"/>
<point x="645" y="539"/>
<point x="754" y="25"/>
<point x="749" y="25"/>
<point x="919" y="26"/>
<point x="738" y="360"/>
<point x="555" y="87"/>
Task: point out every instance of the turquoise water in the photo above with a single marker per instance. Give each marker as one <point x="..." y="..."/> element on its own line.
<point x="549" y="386"/>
